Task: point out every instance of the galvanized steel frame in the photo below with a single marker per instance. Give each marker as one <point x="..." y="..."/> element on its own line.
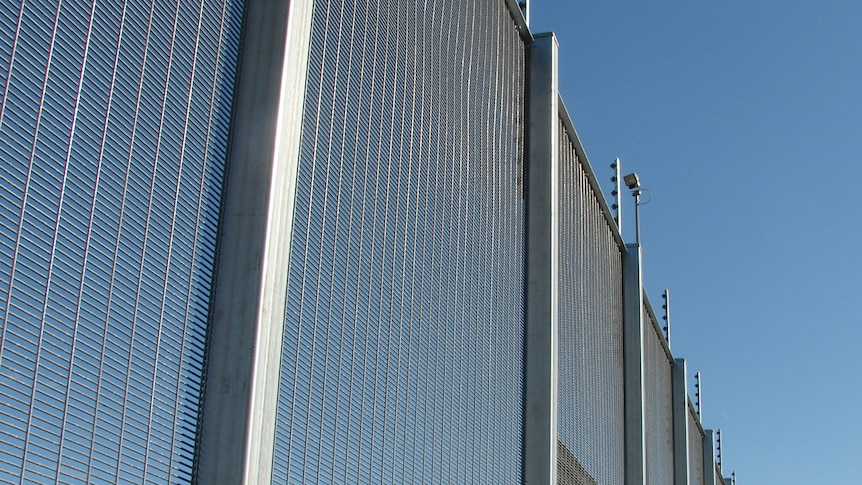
<point x="633" y="366"/>
<point x="680" y="422"/>
<point x="709" y="457"/>
<point x="541" y="319"/>
<point x="249" y="300"/>
<point x="239" y="410"/>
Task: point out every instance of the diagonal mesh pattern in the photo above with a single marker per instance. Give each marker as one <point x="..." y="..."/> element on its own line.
<point x="658" y="416"/>
<point x="590" y="410"/>
<point x="403" y="341"/>
<point x="113" y="133"/>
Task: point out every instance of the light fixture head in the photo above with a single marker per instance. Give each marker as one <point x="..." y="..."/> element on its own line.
<point x="632" y="181"/>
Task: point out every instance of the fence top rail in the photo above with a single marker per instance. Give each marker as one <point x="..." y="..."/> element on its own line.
<point x="693" y="411"/>
<point x="572" y="134"/>
<point x="520" y="21"/>
<point x="719" y="478"/>
<point x="657" y="327"/>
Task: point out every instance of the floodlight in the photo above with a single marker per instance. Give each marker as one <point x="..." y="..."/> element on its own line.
<point x="632" y="181"/>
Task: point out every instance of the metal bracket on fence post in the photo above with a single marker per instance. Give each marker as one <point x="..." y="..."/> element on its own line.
<point x="633" y="366"/>
<point x="698" y="396"/>
<point x="718" y="449"/>
<point x="679" y="383"/>
<point x="666" y="306"/>
<point x="540" y="376"/>
<point x="617" y="194"/>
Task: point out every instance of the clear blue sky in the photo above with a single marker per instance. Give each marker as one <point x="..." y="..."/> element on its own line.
<point x="743" y="119"/>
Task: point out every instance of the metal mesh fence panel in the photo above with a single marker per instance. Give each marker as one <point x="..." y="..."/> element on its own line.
<point x="658" y="416"/>
<point x="113" y="135"/>
<point x="403" y="341"/>
<point x="590" y="386"/>
<point x="695" y="449"/>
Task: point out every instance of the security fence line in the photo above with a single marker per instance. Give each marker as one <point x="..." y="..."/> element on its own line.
<point x="327" y="241"/>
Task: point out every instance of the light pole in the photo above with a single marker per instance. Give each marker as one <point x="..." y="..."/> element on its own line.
<point x="633" y="182"/>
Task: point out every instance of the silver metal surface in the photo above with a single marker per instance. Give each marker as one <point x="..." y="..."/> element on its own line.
<point x="113" y="122"/>
<point x="658" y="394"/>
<point x="403" y="349"/>
<point x="633" y="345"/>
<point x="695" y="446"/>
<point x="239" y="411"/>
<point x="709" y="469"/>
<point x="521" y="16"/>
<point x="540" y="384"/>
<point x="591" y="410"/>
<point x="680" y="422"/>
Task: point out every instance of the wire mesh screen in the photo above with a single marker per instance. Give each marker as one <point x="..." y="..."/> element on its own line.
<point x="590" y="386"/>
<point x="113" y="133"/>
<point x="658" y="416"/>
<point x="695" y="449"/>
<point x="403" y="340"/>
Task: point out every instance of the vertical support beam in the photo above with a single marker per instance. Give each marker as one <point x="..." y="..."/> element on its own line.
<point x="709" y="457"/>
<point x="237" y="431"/>
<point x="633" y="366"/>
<point x="540" y="375"/>
<point x="679" y="382"/>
